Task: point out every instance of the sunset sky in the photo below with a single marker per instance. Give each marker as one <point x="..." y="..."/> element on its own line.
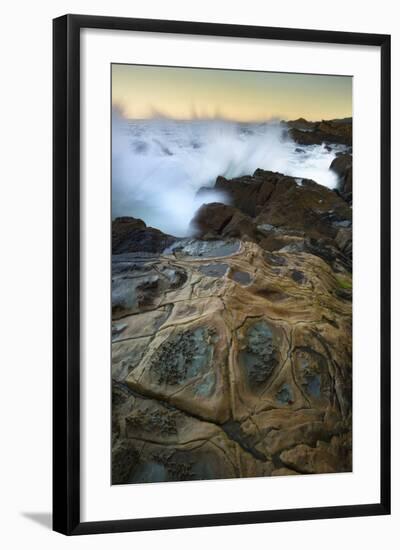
<point x="182" y="93"/>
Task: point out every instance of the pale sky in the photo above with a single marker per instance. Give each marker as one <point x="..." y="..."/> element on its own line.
<point x="183" y="93"/>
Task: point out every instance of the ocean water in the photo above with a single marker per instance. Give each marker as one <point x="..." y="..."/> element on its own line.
<point x="158" y="165"/>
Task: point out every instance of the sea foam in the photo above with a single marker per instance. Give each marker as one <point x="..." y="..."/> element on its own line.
<point x="158" y="165"/>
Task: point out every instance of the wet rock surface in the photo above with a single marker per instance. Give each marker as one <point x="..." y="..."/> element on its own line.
<point x="343" y="166"/>
<point x="132" y="235"/>
<point x="231" y="351"/>
<point x="281" y="214"/>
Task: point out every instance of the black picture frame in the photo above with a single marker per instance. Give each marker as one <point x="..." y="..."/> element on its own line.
<point x="66" y="273"/>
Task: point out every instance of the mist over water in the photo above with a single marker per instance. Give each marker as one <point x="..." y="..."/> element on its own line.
<point x="158" y="165"/>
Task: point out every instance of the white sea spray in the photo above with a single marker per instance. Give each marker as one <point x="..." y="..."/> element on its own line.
<point x="159" y="165"/>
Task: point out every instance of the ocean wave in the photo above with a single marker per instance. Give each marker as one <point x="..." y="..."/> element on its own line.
<point x="158" y="165"/>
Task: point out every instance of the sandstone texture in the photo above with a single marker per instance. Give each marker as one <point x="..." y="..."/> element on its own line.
<point x="232" y="350"/>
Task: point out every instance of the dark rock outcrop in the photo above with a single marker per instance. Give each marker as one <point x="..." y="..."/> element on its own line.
<point x="279" y="213"/>
<point x="132" y="235"/>
<point x="301" y="124"/>
<point x="326" y="131"/>
<point x="343" y="166"/>
<point x="215" y="219"/>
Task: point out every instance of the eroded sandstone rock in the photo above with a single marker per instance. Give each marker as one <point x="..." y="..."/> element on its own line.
<point x="259" y="367"/>
<point x="232" y="351"/>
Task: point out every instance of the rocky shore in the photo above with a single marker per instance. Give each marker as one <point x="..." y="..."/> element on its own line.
<point x="232" y="350"/>
<point x="326" y="131"/>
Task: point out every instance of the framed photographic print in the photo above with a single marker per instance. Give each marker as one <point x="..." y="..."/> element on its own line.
<point x="221" y="274"/>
